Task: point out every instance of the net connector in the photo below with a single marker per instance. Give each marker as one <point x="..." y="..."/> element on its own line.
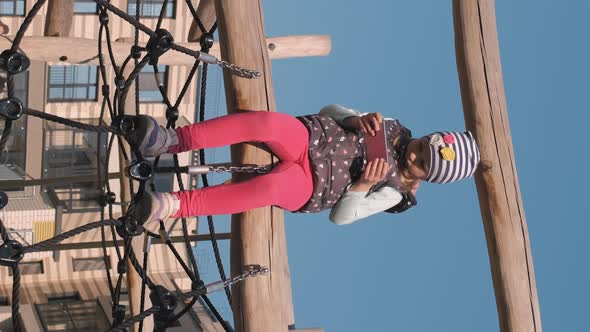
<point x="124" y="123"/>
<point x="172" y="114"/>
<point x="3" y="199"/>
<point x="103" y="17"/>
<point x="119" y="83"/>
<point x="11" y="108"/>
<point x="14" y="62"/>
<point x="136" y="51"/>
<point x="106" y="90"/>
<point x="167" y="302"/>
<point x="140" y="170"/>
<point x="11" y="252"/>
<point x="118" y="314"/>
<point x="207" y="41"/>
<point x="159" y="44"/>
<point x="129" y="227"/>
<point x="107" y="198"/>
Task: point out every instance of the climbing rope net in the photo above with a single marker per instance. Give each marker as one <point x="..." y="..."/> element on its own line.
<point x="139" y="170"/>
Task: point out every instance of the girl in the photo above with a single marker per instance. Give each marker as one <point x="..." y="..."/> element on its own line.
<point x="322" y="164"/>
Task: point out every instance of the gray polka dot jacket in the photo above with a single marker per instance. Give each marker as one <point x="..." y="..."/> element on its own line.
<point x="337" y="157"/>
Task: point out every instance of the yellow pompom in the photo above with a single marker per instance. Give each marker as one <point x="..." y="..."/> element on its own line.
<point x="447" y="153"/>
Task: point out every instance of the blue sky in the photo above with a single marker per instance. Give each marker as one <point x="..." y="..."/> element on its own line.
<point x="428" y="269"/>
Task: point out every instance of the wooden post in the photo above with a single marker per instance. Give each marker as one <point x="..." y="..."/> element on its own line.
<point x="258" y="236"/>
<point x="71" y="50"/>
<point x="59" y="18"/>
<point x="206" y="13"/>
<point x="484" y="105"/>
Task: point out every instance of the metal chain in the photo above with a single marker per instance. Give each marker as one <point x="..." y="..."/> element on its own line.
<point x="259" y="169"/>
<point x="249" y="272"/>
<point x="239" y="71"/>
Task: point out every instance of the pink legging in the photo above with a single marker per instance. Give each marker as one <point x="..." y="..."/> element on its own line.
<point x="289" y="185"/>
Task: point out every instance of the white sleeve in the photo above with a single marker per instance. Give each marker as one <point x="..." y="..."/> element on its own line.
<point x="353" y="205"/>
<point x="338" y="113"/>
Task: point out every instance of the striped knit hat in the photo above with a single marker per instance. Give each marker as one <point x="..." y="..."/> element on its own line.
<point x="453" y="156"/>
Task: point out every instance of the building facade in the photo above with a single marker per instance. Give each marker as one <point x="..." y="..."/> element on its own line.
<point x="68" y="290"/>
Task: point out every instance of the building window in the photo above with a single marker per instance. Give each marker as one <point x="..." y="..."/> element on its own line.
<point x="63" y="297"/>
<point x="91" y="264"/>
<point x="13" y="158"/>
<point x="28" y="268"/>
<point x="70" y="315"/>
<point x="149" y="82"/>
<point x="151" y="8"/>
<point x="72" y="152"/>
<point x="85" y="7"/>
<point x="12" y="7"/>
<point x="72" y="83"/>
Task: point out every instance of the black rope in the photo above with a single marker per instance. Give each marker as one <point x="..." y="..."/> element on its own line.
<point x="106" y="260"/>
<point x="195" y="16"/>
<point x="16" y="318"/>
<point x="3" y="232"/>
<point x="70" y="123"/>
<point x="25" y="25"/>
<point x="216" y="314"/>
<point x="135" y="61"/>
<point x="128" y="82"/>
<point x="138" y="318"/>
<point x="68" y="234"/>
<point x="126" y="17"/>
<point x="187" y="83"/>
<point x="163" y="10"/>
<point x="138" y="268"/>
<point x="143" y="285"/>
<point x="5" y="135"/>
<point x="180" y="260"/>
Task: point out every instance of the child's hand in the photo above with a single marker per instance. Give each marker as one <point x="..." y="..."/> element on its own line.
<point x="374" y="172"/>
<point x="367" y="124"/>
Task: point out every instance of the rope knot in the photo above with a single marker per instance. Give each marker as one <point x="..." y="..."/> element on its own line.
<point x="158" y="45"/>
<point x="11" y="253"/>
<point x="14" y="62"/>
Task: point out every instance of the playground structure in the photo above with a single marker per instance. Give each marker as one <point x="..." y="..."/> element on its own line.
<point x="265" y="304"/>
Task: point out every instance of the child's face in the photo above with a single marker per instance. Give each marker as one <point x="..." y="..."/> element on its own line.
<point x="418" y="158"/>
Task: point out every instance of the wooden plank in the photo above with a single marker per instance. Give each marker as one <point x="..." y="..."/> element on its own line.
<point x="59" y="18"/>
<point x="70" y="50"/>
<point x="62" y="180"/>
<point x="111" y="243"/>
<point x="262" y="303"/>
<point x="486" y="115"/>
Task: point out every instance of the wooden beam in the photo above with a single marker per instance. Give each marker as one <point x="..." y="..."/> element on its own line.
<point x="258" y="236"/>
<point x="59" y="18"/>
<point x="484" y="105"/>
<point x="110" y="243"/>
<point x="206" y="13"/>
<point x="70" y="50"/>
<point x="5" y="184"/>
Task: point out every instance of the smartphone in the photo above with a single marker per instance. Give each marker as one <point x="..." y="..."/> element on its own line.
<point x="376" y="146"/>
